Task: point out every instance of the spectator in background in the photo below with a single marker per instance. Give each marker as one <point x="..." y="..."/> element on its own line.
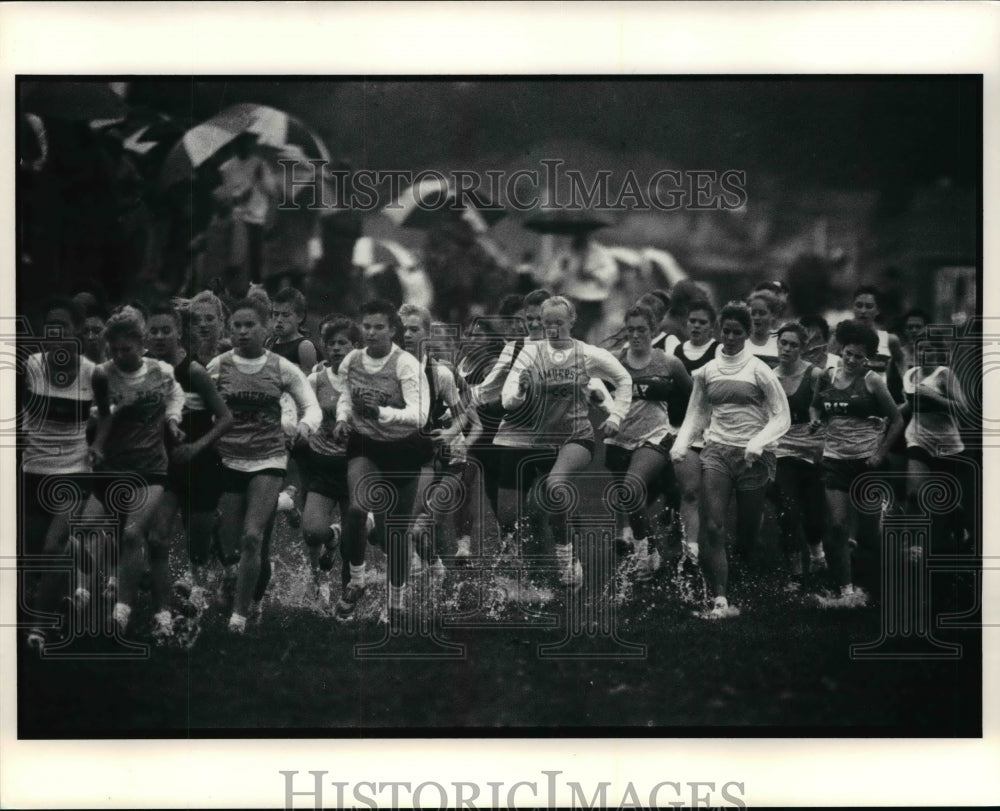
<point x="246" y="197"/>
<point x="914" y="325"/>
<point x="585" y="274"/>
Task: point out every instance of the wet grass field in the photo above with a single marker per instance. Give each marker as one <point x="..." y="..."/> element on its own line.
<point x="510" y="656"/>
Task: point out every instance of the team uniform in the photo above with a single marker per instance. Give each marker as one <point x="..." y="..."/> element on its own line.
<point x="256" y="445"/>
<point x="693" y="358"/>
<point x="648" y="420"/>
<point x="768" y="352"/>
<point x="252" y="388"/>
<point x="392" y="441"/>
<point x="327" y="456"/>
<point x="53" y="424"/>
<point x="196" y="483"/>
<point x="799" y="480"/>
<point x="743" y="404"/>
<point x="141" y="404"/>
<point x="855" y="427"/>
<point x="556" y="410"/>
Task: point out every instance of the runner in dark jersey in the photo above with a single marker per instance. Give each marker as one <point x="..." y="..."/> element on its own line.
<point x="695" y="352"/>
<point x="641" y="447"/>
<point x="327" y="490"/>
<point x="856" y="405"/>
<point x="288" y="314"/>
<point x="195" y="468"/>
<point x="798" y="486"/>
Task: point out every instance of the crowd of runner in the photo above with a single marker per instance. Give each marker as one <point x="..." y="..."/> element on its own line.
<point x="207" y="419"/>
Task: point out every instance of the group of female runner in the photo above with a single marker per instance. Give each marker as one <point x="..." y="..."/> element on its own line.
<point x="194" y="412"/>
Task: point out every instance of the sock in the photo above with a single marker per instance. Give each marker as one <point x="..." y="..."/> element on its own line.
<point x="721" y="602"/>
<point x="641" y="546"/>
<point x="358" y="574"/>
<point x="846" y="591"/>
<point x="121" y="613"/>
<point x="237" y="621"/>
<point x="692" y="550"/>
<point x="564" y="555"/>
<point x="816" y="551"/>
<point x="627" y="534"/>
<point x="463" y="545"/>
<point x="396" y="596"/>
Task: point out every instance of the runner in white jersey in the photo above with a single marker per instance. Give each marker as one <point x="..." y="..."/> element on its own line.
<point x="738" y="403"/>
<point x="798" y="485"/>
<point x="254" y="454"/>
<point x="379" y="415"/>
<point x="327" y="465"/>
<point x="138" y="403"/>
<point x="54" y="399"/>
<point x="934" y="443"/>
<point x="551" y="378"/>
<point x="763" y="342"/>
<point x="640" y="450"/>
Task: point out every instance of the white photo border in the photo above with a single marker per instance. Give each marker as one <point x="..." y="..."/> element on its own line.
<point x="615" y="39"/>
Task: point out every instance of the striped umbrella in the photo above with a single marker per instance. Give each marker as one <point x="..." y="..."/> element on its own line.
<point x="275" y="129"/>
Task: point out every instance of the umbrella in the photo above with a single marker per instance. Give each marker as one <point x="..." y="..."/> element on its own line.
<point x="275" y="129"/>
<point x="430" y="202"/>
<point x="369" y="251"/>
<point x="72" y="101"/>
<point x="567" y="222"/>
<point x="146" y="134"/>
<point x="659" y="260"/>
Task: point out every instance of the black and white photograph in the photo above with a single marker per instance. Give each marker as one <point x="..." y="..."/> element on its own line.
<point x="482" y="405"/>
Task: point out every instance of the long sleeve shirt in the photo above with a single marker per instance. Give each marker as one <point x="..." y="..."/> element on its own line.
<point x="740" y="400"/>
<point x="402" y="396"/>
<point x="558" y="394"/>
<point x="252" y="388"/>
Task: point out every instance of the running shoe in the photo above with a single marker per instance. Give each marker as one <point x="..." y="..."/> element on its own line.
<point x="163" y="627"/>
<point x="794" y="586"/>
<point x="81" y="598"/>
<point x="849" y="597"/>
<point x="328" y="556"/>
<point x="237" y="624"/>
<point x="690" y="582"/>
<point x="721" y="609"/>
<point x="572" y="575"/>
<point x="462" y="552"/>
<point x="416" y="565"/>
<point x="198" y="598"/>
<point x="323" y="596"/>
<point x="36" y="639"/>
<point x="817" y="562"/>
<point x="348" y="602"/>
<point x="648" y="566"/>
<point x="111" y="589"/>
<point x="120" y="615"/>
<point x="438" y="573"/>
